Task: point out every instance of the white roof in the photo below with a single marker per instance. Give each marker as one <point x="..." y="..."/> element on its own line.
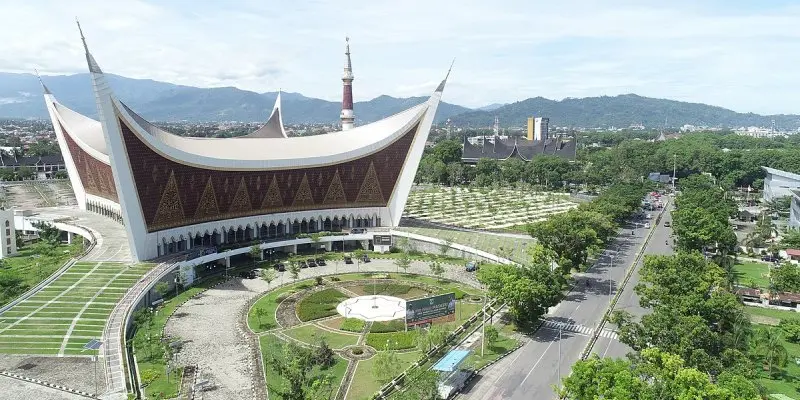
<point x="778" y="172"/>
<point x="260" y="152"/>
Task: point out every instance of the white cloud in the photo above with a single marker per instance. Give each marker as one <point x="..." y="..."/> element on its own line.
<point x="725" y="53"/>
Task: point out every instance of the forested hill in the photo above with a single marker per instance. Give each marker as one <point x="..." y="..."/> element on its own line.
<point x="621" y="111"/>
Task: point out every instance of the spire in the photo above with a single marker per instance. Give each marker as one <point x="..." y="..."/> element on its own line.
<point x="93" y="67"/>
<point x="440" y="88"/>
<point x="46" y="90"/>
<point x="347" y="116"/>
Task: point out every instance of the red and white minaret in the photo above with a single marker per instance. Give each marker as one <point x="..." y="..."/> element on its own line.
<point x="347" y="116"/>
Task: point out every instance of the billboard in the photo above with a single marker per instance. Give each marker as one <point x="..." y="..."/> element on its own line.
<point x="382" y="240"/>
<point x="440" y="308"/>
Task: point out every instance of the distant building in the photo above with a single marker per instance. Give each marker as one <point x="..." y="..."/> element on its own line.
<point x="7" y="233"/>
<point x="538" y="128"/>
<point x="499" y="148"/>
<point x="794" y="210"/>
<point x="44" y="166"/>
<point x="779" y="183"/>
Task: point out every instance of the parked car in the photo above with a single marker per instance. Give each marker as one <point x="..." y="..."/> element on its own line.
<point x="280" y="267"/>
<point x="348" y="259"/>
<point x="321" y="262"/>
<point x="770" y="258"/>
<point x="471" y="266"/>
<point x="646" y="225"/>
<point x="356" y="231"/>
<point x="311" y="262"/>
<point x="365" y="258"/>
<point x="251" y="274"/>
<point x="667" y="224"/>
<point x="303" y="264"/>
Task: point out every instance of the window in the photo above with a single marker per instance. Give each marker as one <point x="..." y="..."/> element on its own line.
<point x="8" y="250"/>
<point x="8" y="232"/>
<point x="7" y="224"/>
<point x="8" y="241"/>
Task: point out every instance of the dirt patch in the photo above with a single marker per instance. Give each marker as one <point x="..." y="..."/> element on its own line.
<point x="286" y="313"/>
<point x="335" y="323"/>
<point x="760" y="319"/>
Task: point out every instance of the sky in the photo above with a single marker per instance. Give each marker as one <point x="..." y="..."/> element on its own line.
<point x="739" y="54"/>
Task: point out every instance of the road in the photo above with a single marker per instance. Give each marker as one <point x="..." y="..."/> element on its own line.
<point x="533" y="370"/>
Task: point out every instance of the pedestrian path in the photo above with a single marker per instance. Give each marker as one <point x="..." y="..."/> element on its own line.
<point x="577" y="328"/>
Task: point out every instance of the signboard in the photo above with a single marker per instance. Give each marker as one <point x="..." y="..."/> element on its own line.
<point x="441" y="308"/>
<point x="382" y="240"/>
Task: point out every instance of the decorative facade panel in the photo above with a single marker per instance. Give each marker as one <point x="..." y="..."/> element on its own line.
<point x="95" y="175"/>
<point x="206" y="195"/>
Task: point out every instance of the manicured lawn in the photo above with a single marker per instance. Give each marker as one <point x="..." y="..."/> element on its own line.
<point x="348" y="324"/>
<point x="313" y="335"/>
<point x="394" y="340"/>
<point x="514" y="248"/>
<point x="270" y="304"/>
<point x="491" y="353"/>
<point x="364" y="384"/>
<point x="787" y="384"/>
<point x="752" y="272"/>
<point x="33" y="264"/>
<point x="275" y="382"/>
<point x="320" y="304"/>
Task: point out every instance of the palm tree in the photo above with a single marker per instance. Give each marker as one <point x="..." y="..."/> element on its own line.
<point x="771" y="348"/>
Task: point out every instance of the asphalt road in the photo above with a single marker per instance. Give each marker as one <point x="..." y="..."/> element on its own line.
<point x="534" y="370"/>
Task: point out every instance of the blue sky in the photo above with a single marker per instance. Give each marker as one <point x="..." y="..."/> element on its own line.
<point x="737" y="54"/>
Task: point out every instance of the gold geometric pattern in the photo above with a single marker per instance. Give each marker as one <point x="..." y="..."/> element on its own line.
<point x="273" y="197"/>
<point x="170" y="209"/>
<point x="90" y="182"/>
<point x="207" y="206"/>
<point x="241" y="200"/>
<point x="371" y="188"/>
<point x="303" y="196"/>
<point x="335" y="193"/>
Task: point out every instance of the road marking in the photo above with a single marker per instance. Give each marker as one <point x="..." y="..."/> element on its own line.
<point x="537" y="363"/>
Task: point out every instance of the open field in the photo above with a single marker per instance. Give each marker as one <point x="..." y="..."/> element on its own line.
<point x="73" y="309"/>
<point x="786" y="383"/>
<point x="757" y="273"/>
<point x="485" y="208"/>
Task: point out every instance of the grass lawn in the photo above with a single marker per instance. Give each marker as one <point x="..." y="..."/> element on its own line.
<point x="394" y="340"/>
<point x="320" y="304"/>
<point x="787" y="384"/>
<point x="269" y="304"/>
<point x="33" y="264"/>
<point x="275" y="382"/>
<point x="752" y="272"/>
<point x="771" y="315"/>
<point x="364" y="385"/>
<point x="491" y="353"/>
<point x="312" y="335"/>
<point x="514" y="248"/>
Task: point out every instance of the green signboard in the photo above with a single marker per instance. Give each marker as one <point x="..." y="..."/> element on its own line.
<point x="441" y="308"/>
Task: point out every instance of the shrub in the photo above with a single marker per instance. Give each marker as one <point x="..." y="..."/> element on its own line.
<point x="396" y="340"/>
<point x="458" y="292"/>
<point x="352" y="325"/>
<point x="319" y="304"/>
<point x="318" y="280"/>
<point x="358" y="351"/>
<point x="388" y="326"/>
<point x="148" y="376"/>
<point x="791" y="328"/>
<point x="335" y="279"/>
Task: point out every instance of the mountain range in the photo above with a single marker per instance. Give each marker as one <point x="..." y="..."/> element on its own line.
<point x="20" y="97"/>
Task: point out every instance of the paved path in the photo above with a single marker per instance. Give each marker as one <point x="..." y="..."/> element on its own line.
<point x="549" y="353"/>
<point x="16" y="389"/>
<point x="112" y="240"/>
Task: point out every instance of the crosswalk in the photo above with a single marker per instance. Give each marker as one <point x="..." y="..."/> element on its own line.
<point x="578" y="328"/>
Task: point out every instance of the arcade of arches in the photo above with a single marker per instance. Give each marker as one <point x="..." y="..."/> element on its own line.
<point x="244" y="235"/>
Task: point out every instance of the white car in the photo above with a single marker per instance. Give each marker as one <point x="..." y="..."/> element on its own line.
<point x="647" y="225"/>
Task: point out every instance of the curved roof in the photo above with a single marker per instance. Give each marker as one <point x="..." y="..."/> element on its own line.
<point x="269" y="152"/>
<point x="86" y="132"/>
<point x="273" y="128"/>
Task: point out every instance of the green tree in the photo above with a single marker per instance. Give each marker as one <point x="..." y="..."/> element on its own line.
<point x="444" y="247"/>
<point x="162" y="288"/>
<point x="260" y="312"/>
<point x="786" y="278"/>
<point x="11" y="286"/>
<point x="422" y="385"/>
<point x="295" y="366"/>
<point x="771" y="350"/>
<point x="573" y="236"/>
<point x="437" y="269"/>
<point x="527" y="290"/>
<point x="403" y="261"/>
<point x="268" y="275"/>
<point x="491" y="335"/>
<point x="323" y="355"/>
<point x="48" y="233"/>
<point x="315" y="240"/>
<point x="386" y="366"/>
<point x="255" y="253"/>
<point x="791" y="239"/>
<point x="294" y="269"/>
<point x="791" y="330"/>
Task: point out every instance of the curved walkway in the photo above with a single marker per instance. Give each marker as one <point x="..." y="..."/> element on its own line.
<point x="208" y="325"/>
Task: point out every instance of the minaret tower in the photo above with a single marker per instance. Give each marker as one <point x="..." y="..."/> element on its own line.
<point x="347" y="116"/>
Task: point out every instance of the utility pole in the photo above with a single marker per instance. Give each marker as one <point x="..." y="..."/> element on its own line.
<point x="483" y="328"/>
<point x="674" y="169"/>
